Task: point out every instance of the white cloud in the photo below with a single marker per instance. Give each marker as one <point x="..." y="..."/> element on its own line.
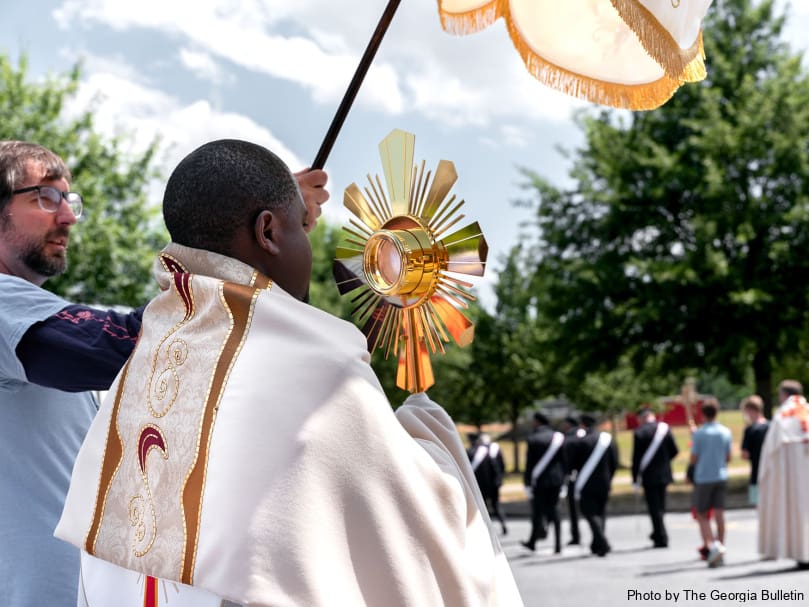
<point x="515" y="136"/>
<point x="237" y="32"/>
<point x="125" y="104"/>
<point x="180" y="127"/>
<point x="456" y="80"/>
<point x="797" y="22"/>
<point x="795" y="7"/>
<point x="203" y="65"/>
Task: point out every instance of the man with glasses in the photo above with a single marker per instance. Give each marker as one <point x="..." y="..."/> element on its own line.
<point x="41" y="429"/>
<point x="46" y="343"/>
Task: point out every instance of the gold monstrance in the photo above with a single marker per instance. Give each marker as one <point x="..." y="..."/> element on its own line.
<point x="396" y="259"/>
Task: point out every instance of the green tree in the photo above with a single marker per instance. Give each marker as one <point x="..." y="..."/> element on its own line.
<point x="455" y="384"/>
<point x="509" y="360"/>
<point x="113" y="246"/>
<point x="323" y="291"/>
<point x="457" y="387"/>
<point x="684" y="235"/>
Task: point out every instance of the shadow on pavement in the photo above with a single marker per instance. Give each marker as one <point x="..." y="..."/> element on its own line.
<point x="760" y="572"/>
<point x="693" y="565"/>
<point x="530" y="559"/>
<point x="545" y="558"/>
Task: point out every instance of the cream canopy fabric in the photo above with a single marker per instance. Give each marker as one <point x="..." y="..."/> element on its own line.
<point x="625" y="53"/>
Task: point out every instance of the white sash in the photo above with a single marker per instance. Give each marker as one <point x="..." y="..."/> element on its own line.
<point x="604" y="441"/>
<point x="657" y="440"/>
<point x="556" y="443"/>
<point x="480" y="454"/>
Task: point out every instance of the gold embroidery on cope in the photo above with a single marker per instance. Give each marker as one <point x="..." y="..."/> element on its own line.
<point x="171" y="264"/>
<point x="166" y="382"/>
<point x="165" y="387"/>
<point x="151" y="437"/>
<point x="110" y="463"/>
<point x="239" y="301"/>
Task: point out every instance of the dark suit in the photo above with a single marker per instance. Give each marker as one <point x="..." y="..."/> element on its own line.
<point x="571" y="436"/>
<point x="489" y="473"/>
<point x="596" y="491"/>
<point x="656" y="476"/>
<point x="546" y="487"/>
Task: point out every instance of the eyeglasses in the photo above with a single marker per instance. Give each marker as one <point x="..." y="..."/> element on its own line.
<point x="50" y="199"/>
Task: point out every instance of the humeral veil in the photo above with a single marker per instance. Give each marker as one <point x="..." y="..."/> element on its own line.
<point x="247" y="449"/>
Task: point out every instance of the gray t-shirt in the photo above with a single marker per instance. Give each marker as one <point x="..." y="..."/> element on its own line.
<point x="711" y="444"/>
<point x="41" y="430"/>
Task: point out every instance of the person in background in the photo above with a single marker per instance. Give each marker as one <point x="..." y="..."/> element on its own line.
<point x="487" y="462"/>
<point x="572" y="431"/>
<point x="544" y="477"/>
<point x="783" y="479"/>
<point x="652" y="453"/>
<point x="595" y="461"/>
<point x="710" y="454"/>
<point x="756" y="429"/>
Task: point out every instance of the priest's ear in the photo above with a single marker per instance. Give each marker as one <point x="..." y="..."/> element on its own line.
<point x="267" y="228"/>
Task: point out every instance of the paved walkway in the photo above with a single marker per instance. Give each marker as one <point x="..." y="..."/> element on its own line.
<point x="635" y="574"/>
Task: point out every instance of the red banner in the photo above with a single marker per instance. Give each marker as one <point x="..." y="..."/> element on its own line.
<point x="674" y="414"/>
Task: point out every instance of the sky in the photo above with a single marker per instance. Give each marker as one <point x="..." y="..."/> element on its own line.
<point x="274" y="71"/>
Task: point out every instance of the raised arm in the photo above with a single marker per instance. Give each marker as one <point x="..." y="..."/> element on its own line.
<point x="79" y="348"/>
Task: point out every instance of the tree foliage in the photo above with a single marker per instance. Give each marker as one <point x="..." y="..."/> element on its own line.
<point x="113" y="245"/>
<point x="683" y="238"/>
<point x="323" y="291"/>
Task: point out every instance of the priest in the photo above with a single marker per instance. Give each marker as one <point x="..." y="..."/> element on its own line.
<point x="247" y="453"/>
<point x="783" y="479"/>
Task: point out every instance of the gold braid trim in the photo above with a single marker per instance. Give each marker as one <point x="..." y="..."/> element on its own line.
<point x="633" y="97"/>
<point x="473" y="21"/>
<point x="685" y="65"/>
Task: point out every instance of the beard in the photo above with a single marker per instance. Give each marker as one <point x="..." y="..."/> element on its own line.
<point x="45" y="265"/>
<point x="31" y="251"/>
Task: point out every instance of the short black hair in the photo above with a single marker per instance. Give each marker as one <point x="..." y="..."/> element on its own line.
<point x="572" y="421"/>
<point x="220" y="188"/>
<point x="540" y="417"/>
<point x="588" y="420"/>
<point x="710" y="408"/>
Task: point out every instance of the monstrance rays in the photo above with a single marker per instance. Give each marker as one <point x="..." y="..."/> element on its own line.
<point x="394" y="263"/>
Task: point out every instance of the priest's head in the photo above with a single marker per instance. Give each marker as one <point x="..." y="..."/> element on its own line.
<point x="239" y="199"/>
<point x="789" y="387"/>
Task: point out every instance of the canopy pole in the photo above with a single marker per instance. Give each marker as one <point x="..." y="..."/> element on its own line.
<point x="354" y="85"/>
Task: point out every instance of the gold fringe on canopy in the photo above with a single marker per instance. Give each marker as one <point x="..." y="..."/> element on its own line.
<point x="647" y="96"/>
<point x="470" y="22"/>
<point x="677" y="65"/>
<point x="686" y="65"/>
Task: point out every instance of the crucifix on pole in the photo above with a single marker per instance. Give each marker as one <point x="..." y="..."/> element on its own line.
<point x="689" y="396"/>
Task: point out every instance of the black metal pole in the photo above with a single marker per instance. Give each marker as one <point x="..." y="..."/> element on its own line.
<point x="354" y="85"/>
